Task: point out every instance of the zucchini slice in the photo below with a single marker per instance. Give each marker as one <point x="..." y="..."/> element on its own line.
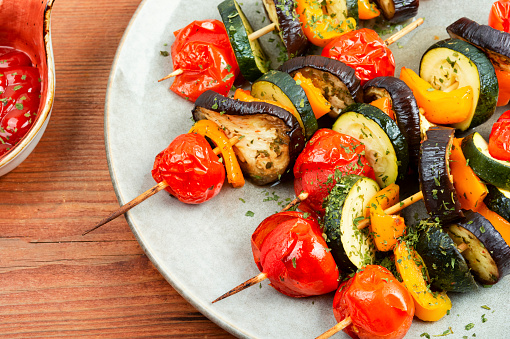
<point x="495" y="43"/>
<point x="271" y="138"/>
<point x="251" y="58"/>
<point x="343" y="9"/>
<point x="385" y="146"/>
<point x="398" y="10"/>
<point x="280" y="87"/>
<point x="498" y="200"/>
<point x="337" y="81"/>
<point x="453" y="63"/>
<point x="403" y="104"/>
<point x="345" y="205"/>
<point x="491" y="170"/>
<point x="289" y="27"/>
<point x="447" y="268"/>
<point x="487" y="254"/>
<point x="439" y="194"/>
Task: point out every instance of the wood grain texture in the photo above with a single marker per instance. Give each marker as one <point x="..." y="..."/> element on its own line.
<point x="54" y="282"/>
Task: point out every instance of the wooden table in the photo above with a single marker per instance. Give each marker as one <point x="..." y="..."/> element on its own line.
<point x="54" y="282"/>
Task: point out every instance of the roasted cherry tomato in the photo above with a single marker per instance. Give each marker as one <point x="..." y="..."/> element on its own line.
<point x="504" y="86"/>
<point x="294" y="255"/>
<point x="202" y="50"/>
<point x="20" y="89"/>
<point x="499" y="139"/>
<point x="190" y="168"/>
<point x="378" y="304"/>
<point x="499" y="17"/>
<point x="364" y="51"/>
<point x="327" y="156"/>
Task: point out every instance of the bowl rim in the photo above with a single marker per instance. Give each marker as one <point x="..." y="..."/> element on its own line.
<point x="44" y="113"/>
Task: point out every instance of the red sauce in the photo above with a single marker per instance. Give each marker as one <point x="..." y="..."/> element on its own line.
<point x="20" y="95"/>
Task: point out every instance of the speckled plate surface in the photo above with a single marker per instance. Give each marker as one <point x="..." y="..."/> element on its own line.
<point x="204" y="250"/>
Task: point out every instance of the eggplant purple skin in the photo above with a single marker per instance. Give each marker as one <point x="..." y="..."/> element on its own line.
<point x="404" y="9"/>
<point x="439" y="194"/>
<point x="345" y="73"/>
<point x="482" y="36"/>
<point x="291" y="31"/>
<point x="483" y="230"/>
<point x="405" y="107"/>
<point x="218" y="103"/>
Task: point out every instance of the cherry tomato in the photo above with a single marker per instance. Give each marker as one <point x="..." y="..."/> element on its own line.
<point x="202" y="50"/>
<point x="499" y="16"/>
<point x="378" y="304"/>
<point x="364" y="51"/>
<point x="295" y="257"/>
<point x="20" y="89"/>
<point x="499" y="139"/>
<point x="327" y="156"/>
<point x="190" y="168"/>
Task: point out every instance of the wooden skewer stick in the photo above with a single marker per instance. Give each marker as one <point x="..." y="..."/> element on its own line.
<point x="296" y="201"/>
<point x="395" y="208"/>
<point x="403" y="31"/>
<point x="248" y="283"/>
<point x="173" y="74"/>
<point x="462" y="247"/>
<point x="335" y="329"/>
<point x="147" y="194"/>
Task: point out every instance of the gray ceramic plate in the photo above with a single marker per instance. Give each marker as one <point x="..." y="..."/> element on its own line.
<point x="205" y="250"/>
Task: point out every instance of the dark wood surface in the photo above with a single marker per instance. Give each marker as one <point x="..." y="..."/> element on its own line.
<point x="53" y="281"/>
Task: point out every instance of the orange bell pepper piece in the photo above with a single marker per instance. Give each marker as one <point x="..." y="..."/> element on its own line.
<point x="504" y="86"/>
<point x="321" y="28"/>
<point x="470" y="190"/>
<point x="429" y="306"/>
<point x="209" y="129"/>
<point x="320" y="105"/>
<point x="500" y="224"/>
<point x="385" y="228"/>
<point x="384" y="104"/>
<point x="440" y="107"/>
<point x="367" y="10"/>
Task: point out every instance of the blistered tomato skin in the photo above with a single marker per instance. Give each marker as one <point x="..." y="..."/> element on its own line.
<point x="20" y="90"/>
<point x="499" y="139"/>
<point x="327" y="155"/>
<point x="296" y="259"/>
<point x="379" y="305"/>
<point x="190" y="168"/>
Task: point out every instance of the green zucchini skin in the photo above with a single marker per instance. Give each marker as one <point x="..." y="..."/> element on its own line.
<point x="489" y="90"/>
<point x="403" y="104"/>
<point x="498" y="200"/>
<point x="294" y="92"/>
<point x="447" y="268"/>
<point x="401" y="9"/>
<point x="490" y="170"/>
<point x="352" y="10"/>
<point x="252" y="60"/>
<point x="439" y="194"/>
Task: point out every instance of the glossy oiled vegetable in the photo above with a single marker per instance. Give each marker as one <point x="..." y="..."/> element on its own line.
<point x="398" y="10"/>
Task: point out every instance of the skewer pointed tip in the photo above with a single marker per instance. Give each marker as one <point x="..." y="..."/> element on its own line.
<point x="250" y="282"/>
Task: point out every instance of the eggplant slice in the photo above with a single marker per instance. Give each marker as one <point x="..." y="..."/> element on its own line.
<point x="487" y="253"/>
<point x="337" y="81"/>
<point x="398" y="10"/>
<point x="495" y="43"/>
<point x="271" y="137"/>
<point x="403" y="104"/>
<point x="439" y="194"/>
<point x="283" y="13"/>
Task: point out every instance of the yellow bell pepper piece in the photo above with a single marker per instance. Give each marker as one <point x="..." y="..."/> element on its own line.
<point x="367" y="10"/>
<point x="429" y="306"/>
<point x="440" y="107"/>
<point x="320" y="105"/>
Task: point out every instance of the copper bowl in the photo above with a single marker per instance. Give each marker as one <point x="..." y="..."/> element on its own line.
<point x="28" y="30"/>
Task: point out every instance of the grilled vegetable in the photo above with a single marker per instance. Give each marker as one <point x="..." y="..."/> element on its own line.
<point x="453" y="63"/>
<point x="488" y="255"/>
<point x="345" y="205"/>
<point x="265" y="152"/>
<point x="498" y="200"/>
<point x="337" y="81"/>
<point x="251" y="58"/>
<point x="398" y="10"/>
<point x="436" y="183"/>
<point x="288" y="24"/>
<point x="385" y="146"/>
<point x="280" y="87"/>
<point x="447" y="268"/>
<point x="403" y="104"/>
<point x="493" y="171"/>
